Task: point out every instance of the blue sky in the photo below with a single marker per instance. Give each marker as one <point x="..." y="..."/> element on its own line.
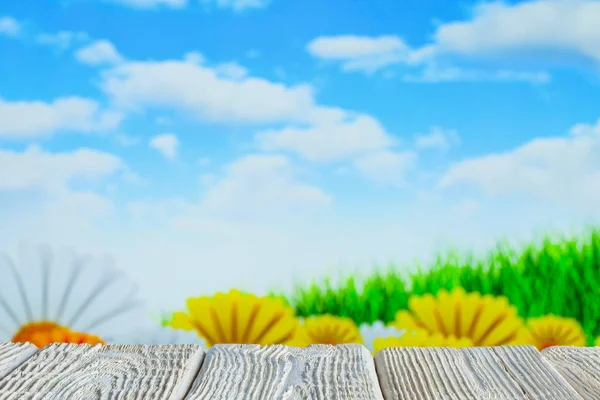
<point x="249" y="143"/>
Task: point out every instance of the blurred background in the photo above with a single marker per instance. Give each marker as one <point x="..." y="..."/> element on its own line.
<point x="341" y="156"/>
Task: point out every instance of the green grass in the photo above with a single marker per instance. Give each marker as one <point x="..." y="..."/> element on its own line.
<point x="558" y="276"/>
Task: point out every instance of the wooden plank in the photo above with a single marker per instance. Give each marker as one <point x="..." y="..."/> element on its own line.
<point x="432" y="373"/>
<point x="317" y="372"/>
<point x="534" y="374"/>
<point x="14" y="354"/>
<point x="580" y="366"/>
<point x="124" y="372"/>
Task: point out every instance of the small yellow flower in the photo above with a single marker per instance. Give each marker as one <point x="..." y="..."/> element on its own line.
<point x="421" y="338"/>
<point x="483" y="320"/>
<point x="597" y="341"/>
<point x="237" y="317"/>
<point x="327" y="329"/>
<point x="551" y="330"/>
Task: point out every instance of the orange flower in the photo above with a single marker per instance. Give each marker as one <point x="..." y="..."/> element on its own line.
<point x="42" y="334"/>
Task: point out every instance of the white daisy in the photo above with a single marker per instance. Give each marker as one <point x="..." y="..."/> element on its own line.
<point x="47" y="297"/>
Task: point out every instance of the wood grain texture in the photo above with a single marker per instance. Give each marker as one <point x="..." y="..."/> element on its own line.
<point x="14" y="354"/>
<point x="318" y="372"/>
<point x="124" y="372"/>
<point x="432" y="373"/>
<point x="535" y="375"/>
<point x="580" y="366"/>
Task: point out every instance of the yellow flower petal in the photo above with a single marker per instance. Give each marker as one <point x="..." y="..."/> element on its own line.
<point x="469" y="306"/>
<point x="205" y="319"/>
<point x="423" y="308"/>
<point x="551" y="330"/>
<point x="237" y="317"/>
<point x="457" y="318"/>
<point x="447" y="311"/>
<point x="181" y="320"/>
<point x="328" y="329"/>
<point x="227" y="304"/>
<point x="405" y="320"/>
<point x="247" y="309"/>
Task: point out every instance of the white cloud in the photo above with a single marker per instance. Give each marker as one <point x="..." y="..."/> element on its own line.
<point x="98" y="53"/>
<point x="359" y="139"/>
<point x="194" y="57"/>
<point x="329" y="141"/>
<point x="235" y="5"/>
<point x="346" y="47"/>
<point x="559" y="25"/>
<point x="371" y="54"/>
<point x="61" y="40"/>
<point x="56" y="193"/>
<point x="256" y="188"/>
<point x="36" y="168"/>
<point x="360" y="53"/>
<point x="238" y="5"/>
<point x="30" y="119"/>
<point x="151" y="4"/>
<point x="200" y="91"/>
<point x="232" y="70"/>
<point x="568" y="28"/>
<point x="432" y="74"/>
<point x="564" y="169"/>
<point x="437" y="138"/>
<point x="127" y="140"/>
<point x="261" y="184"/>
<point x="315" y="132"/>
<point x="166" y="143"/>
<point x="386" y="167"/>
<point x="9" y="26"/>
<point x="247" y="231"/>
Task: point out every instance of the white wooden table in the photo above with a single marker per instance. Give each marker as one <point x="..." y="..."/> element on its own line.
<point x="323" y="372"/>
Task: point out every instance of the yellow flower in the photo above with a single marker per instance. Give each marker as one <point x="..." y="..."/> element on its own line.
<point x="92" y="294"/>
<point x="421" y="338"/>
<point x="597" y="341"/>
<point x="237" y="317"/>
<point x="327" y="329"/>
<point x="552" y="330"/>
<point x="483" y="320"/>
